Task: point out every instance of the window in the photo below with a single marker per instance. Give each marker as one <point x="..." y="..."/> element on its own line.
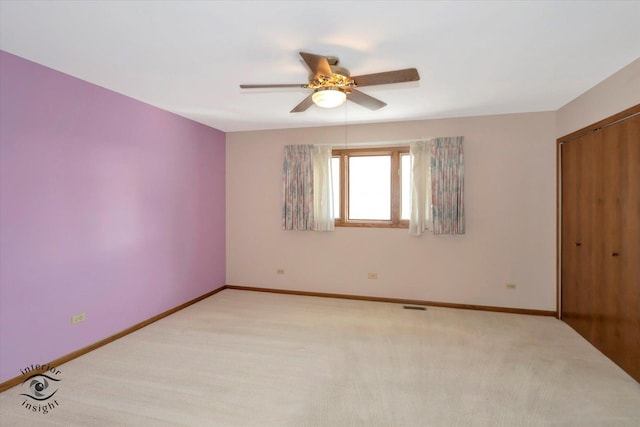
<point x="371" y="187"/>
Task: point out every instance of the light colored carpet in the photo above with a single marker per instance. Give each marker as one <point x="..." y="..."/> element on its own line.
<point x="244" y="358"/>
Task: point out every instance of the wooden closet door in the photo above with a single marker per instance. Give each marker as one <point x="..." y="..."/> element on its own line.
<point x="600" y="220"/>
<point x="630" y="251"/>
<point x="607" y="235"/>
<point x="581" y="173"/>
<point x="618" y="328"/>
<point x="573" y="295"/>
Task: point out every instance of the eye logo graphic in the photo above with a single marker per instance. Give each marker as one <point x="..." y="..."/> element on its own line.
<point x="39" y="388"/>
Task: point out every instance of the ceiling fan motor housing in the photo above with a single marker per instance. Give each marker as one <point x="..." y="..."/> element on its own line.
<point x="340" y="70"/>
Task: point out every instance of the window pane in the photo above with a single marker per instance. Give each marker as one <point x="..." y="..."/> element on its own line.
<point x="405" y="186"/>
<point x="370" y="187"/>
<point x="335" y="183"/>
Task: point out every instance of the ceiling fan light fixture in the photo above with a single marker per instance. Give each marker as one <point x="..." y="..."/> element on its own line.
<point x="329" y="97"/>
<point x="332" y="84"/>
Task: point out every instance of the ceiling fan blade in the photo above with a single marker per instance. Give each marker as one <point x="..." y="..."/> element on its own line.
<point x="365" y="100"/>
<point x="398" y="76"/>
<point x="306" y="103"/>
<point x="318" y="64"/>
<point x="269" y="86"/>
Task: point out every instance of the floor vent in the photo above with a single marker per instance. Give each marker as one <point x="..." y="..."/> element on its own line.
<point x="413" y="307"/>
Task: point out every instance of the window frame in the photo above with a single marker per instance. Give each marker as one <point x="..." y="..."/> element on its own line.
<point x="395" y="177"/>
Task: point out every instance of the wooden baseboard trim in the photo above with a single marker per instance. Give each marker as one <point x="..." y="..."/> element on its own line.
<point x="66" y="358"/>
<point x="399" y="301"/>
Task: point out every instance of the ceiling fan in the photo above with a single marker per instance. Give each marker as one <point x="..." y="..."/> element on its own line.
<point x="332" y="84"/>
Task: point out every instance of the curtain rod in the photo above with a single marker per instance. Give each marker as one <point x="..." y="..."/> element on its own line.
<point x="390" y="143"/>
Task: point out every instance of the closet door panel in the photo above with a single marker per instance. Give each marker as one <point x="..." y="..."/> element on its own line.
<point x="610" y="149"/>
<point x="579" y="214"/>
<point x="589" y="219"/>
<point x="571" y="239"/>
<point x="623" y="247"/>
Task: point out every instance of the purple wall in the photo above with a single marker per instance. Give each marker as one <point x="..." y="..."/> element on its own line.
<point x="108" y="206"/>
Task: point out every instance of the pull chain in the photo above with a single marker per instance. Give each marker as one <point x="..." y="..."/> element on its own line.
<point x="345" y="124"/>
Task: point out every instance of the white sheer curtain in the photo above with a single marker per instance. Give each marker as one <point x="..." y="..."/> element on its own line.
<point x="322" y="189"/>
<point x="421" y="218"/>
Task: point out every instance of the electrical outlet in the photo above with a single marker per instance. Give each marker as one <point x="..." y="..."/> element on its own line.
<point x="373" y="276"/>
<point x="510" y="285"/>
<point x="280" y="271"/>
<point x="77" y="318"/>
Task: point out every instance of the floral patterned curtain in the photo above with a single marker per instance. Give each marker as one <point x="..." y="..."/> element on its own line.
<point x="297" y="188"/>
<point x="447" y="185"/>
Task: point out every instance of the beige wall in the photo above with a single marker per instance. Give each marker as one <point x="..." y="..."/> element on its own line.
<point x="510" y="206"/>
<point x="615" y="94"/>
<point x="510" y="202"/>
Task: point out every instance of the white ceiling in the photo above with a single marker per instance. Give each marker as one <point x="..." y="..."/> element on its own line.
<point x="474" y="58"/>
